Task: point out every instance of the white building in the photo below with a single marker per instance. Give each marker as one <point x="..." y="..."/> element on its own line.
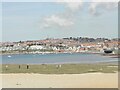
<point x="36" y="47"/>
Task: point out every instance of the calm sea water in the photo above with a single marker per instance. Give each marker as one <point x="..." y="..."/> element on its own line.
<point x="56" y="58"/>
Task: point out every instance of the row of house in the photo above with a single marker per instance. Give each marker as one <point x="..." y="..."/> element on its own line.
<point x="58" y="45"/>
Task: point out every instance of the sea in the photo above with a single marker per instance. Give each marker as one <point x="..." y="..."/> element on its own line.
<point x="59" y="58"/>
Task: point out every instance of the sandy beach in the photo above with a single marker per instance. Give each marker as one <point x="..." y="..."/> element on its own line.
<point x="89" y="80"/>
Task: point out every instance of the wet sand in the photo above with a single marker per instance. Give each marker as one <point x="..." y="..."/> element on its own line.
<point x="89" y="80"/>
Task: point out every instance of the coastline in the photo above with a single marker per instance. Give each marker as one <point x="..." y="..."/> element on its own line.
<point x="102" y="54"/>
<point x="92" y="79"/>
<point x="50" y="53"/>
<point x="112" y="55"/>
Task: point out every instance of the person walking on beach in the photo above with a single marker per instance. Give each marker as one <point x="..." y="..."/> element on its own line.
<point x="6" y="67"/>
<point x="28" y="66"/>
<point x="19" y="66"/>
<point x="58" y="66"/>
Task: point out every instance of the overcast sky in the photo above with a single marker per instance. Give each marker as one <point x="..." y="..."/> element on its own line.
<point x="40" y="20"/>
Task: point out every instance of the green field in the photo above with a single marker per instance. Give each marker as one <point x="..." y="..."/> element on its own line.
<point x="64" y="69"/>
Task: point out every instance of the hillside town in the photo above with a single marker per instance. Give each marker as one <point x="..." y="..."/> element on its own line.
<point x="64" y="45"/>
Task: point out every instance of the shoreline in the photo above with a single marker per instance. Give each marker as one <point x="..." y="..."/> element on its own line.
<point x="89" y="80"/>
<point x="44" y="53"/>
<point x="51" y="53"/>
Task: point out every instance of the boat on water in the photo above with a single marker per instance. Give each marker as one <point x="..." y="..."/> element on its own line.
<point x="9" y="56"/>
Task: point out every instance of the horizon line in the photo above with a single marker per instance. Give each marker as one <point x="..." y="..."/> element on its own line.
<point x="59" y="38"/>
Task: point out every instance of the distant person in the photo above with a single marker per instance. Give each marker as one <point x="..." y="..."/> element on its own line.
<point x="6" y="67"/>
<point x="57" y="66"/>
<point x="60" y="66"/>
<point x="44" y="65"/>
<point x="28" y="66"/>
<point x="19" y="66"/>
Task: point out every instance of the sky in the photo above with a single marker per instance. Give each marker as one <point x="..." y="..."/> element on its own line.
<point x="39" y="20"/>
